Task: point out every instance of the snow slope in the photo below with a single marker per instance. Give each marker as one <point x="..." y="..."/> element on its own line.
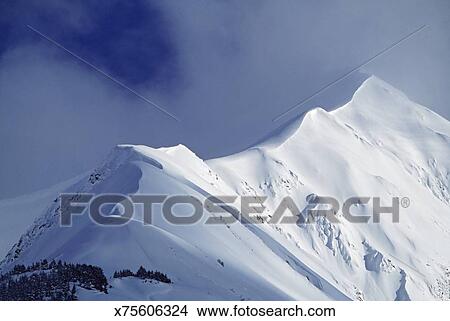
<point x="18" y="213"/>
<point x="380" y="144"/>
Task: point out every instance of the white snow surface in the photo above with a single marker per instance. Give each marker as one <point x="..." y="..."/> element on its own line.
<point x="380" y="144"/>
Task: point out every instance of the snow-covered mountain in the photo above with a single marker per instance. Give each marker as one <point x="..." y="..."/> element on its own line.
<point x="380" y="144"/>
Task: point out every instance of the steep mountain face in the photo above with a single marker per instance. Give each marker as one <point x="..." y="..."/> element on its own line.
<point x="19" y="213"/>
<point x="380" y="145"/>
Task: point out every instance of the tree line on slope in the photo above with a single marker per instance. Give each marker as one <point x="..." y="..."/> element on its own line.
<point x="58" y="281"/>
<point x="50" y="281"/>
<point x="142" y="273"/>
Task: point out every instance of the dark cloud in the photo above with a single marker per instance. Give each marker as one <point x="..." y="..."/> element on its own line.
<point x="129" y="39"/>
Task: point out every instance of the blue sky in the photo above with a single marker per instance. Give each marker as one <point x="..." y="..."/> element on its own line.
<point x="225" y="68"/>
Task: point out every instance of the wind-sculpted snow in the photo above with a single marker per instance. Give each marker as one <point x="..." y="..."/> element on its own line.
<point x="379" y="145"/>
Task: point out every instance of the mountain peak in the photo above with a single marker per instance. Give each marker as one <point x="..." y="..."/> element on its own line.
<point x="374" y="89"/>
<point x="374" y="105"/>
